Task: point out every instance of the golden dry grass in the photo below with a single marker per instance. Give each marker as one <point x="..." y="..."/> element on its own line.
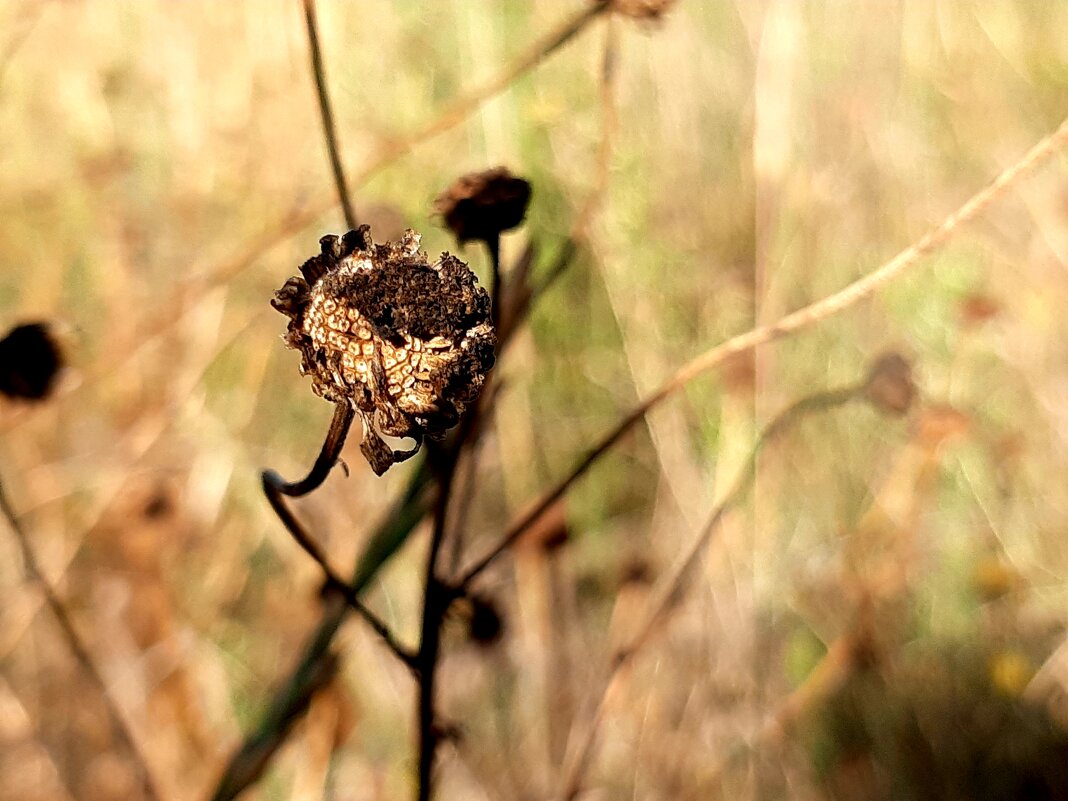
<point x="162" y="168"/>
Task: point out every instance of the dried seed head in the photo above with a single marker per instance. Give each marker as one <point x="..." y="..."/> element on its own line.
<point x="406" y="342"/>
<point x="889" y="386"/>
<point x="30" y="359"/>
<point x="642" y="9"/>
<point x="482" y="205"/>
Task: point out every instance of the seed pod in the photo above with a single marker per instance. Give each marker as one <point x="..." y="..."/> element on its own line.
<point x="30" y="359"/>
<point x="482" y="205"/>
<point x="406" y="342"/>
<point x="889" y="386"/>
<point x="486" y="625"/>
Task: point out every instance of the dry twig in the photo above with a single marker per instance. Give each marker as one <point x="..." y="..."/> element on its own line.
<point x="803" y="318"/>
<point x="673" y="588"/>
<point x="78" y="648"/>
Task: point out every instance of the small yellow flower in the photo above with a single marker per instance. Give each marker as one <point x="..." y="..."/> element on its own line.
<point x="1010" y="672"/>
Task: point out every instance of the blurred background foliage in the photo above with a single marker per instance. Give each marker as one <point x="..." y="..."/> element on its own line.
<point x="159" y="162"/>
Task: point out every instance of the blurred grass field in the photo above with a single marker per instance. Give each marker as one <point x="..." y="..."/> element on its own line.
<point x="153" y="156"/>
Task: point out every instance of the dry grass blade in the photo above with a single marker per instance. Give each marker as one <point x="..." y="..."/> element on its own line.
<point x="461" y="108"/>
<point x="80" y="651"/>
<point x="667" y="598"/>
<point x="802" y="318"/>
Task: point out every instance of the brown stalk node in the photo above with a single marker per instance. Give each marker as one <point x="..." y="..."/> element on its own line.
<point x="482" y="205"/>
<point x="406" y="342"/>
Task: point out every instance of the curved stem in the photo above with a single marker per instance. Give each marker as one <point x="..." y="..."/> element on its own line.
<point x="273" y="487"/>
<point x="327" y="458"/>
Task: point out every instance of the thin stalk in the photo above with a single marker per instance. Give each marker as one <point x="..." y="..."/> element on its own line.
<point x="326" y="111"/>
<point x="273" y="487"/>
<point x="672" y="590"/>
<point x="436" y="600"/>
<point x="496" y="289"/>
<point x="80" y="651"/>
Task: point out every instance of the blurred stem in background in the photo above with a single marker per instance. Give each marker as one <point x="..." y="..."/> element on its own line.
<point x="80" y="651"/>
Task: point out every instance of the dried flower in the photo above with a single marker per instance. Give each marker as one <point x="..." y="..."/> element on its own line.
<point x="889" y="386"/>
<point x="482" y="205"/>
<point x="30" y="359"/>
<point x="406" y="342"/>
<point x="642" y="9"/>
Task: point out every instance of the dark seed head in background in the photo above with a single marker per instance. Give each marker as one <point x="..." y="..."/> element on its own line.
<point x="30" y="359"/>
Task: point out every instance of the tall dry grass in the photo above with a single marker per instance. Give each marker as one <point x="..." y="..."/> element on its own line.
<point x="164" y="172"/>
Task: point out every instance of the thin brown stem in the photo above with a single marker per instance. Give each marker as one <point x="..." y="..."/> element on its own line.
<point x="436" y="600"/>
<point x="463" y="106"/>
<point x="580" y="230"/>
<point x="80" y="651"/>
<point x="274" y="487"/>
<point x="328" y="456"/>
<point x="672" y="590"/>
<point x="326" y="111"/>
<point x="496" y="288"/>
<point x="791" y="323"/>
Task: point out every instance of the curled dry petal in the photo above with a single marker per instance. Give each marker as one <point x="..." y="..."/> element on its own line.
<point x="407" y="342"/>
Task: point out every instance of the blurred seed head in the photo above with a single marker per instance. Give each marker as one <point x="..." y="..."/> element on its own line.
<point x="642" y="9"/>
<point x="482" y="205"/>
<point x="636" y="571"/>
<point x="30" y="360"/>
<point x="485" y="626"/>
<point x="889" y="386"/>
<point x="406" y="342"/>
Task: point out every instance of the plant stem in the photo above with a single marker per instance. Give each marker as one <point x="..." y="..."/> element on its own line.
<point x="81" y="653"/>
<point x="436" y="600"/>
<point x="326" y="111"/>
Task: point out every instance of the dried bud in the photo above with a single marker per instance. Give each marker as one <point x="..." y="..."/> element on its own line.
<point x="485" y="626"/>
<point x="406" y="342"/>
<point x="977" y="308"/>
<point x="889" y="386"/>
<point x="30" y="358"/>
<point x="642" y="9"/>
<point x="636" y="571"/>
<point x="482" y="205"/>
